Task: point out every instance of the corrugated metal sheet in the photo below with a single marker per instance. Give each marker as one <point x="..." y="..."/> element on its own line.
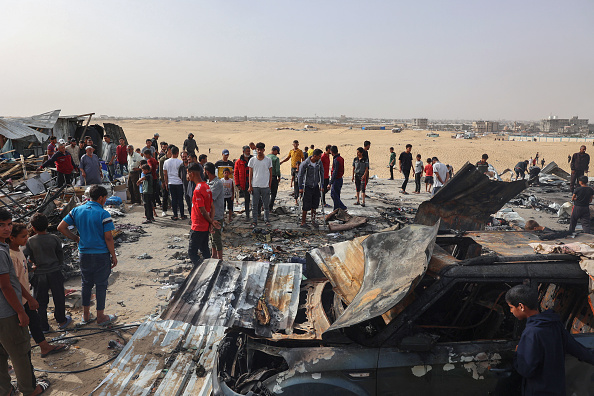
<point x="44" y="120"/>
<point x="15" y="130"/>
<point x="226" y="293"/>
<point x="467" y="200"/>
<point x="164" y="358"/>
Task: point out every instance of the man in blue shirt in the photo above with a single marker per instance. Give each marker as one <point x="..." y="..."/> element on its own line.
<point x="96" y="250"/>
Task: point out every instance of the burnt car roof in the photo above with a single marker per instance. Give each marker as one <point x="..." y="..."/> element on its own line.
<point x="467" y="200"/>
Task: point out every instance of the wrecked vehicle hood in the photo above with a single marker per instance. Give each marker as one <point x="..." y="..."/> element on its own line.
<point x="394" y="262"/>
<point x="467" y="200"/>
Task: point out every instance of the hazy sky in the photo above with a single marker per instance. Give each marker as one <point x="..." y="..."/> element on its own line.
<point x="505" y="59"/>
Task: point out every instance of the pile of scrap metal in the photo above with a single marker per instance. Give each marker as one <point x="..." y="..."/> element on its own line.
<point x="374" y="314"/>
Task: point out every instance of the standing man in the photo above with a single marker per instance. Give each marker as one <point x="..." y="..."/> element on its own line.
<point x="149" y="146"/>
<point x="336" y="179"/>
<point x="260" y="177"/>
<point x="392" y="162"/>
<point x="360" y="172"/>
<point x="326" y="164"/>
<point x="174" y="183"/>
<point x="310" y="179"/>
<point x="223" y="164"/>
<point x="366" y="147"/>
<point x="183" y="175"/>
<point x="483" y="166"/>
<point x="122" y="155"/>
<point x="64" y="165"/>
<point x="579" y="164"/>
<point x="155" y="141"/>
<point x="133" y="160"/>
<point x="109" y="155"/>
<point x="253" y="148"/>
<point x="154" y="164"/>
<point x="582" y="197"/>
<point x="51" y="147"/>
<point x="418" y="174"/>
<point x="74" y="150"/>
<point x="202" y="160"/>
<point x="218" y="209"/>
<point x="202" y="219"/>
<point x="96" y="251"/>
<point x="90" y="168"/>
<point x="190" y="146"/>
<point x="163" y="190"/>
<point x="241" y="175"/>
<point x="276" y="174"/>
<point x="441" y="175"/>
<point x="405" y="165"/>
<point x="296" y="156"/>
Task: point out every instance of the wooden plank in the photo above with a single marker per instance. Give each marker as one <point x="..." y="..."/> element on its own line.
<point x="9" y="172"/>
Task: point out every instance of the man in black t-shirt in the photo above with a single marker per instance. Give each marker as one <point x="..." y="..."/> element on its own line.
<point x="483" y="166"/>
<point x="582" y="197"/>
<point x="405" y="165"/>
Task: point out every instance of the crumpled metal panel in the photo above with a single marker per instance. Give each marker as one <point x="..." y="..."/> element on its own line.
<point x="553" y="169"/>
<point x="138" y="368"/>
<point x="394" y="262"/>
<point x="43" y="120"/>
<point x="15" y="130"/>
<point x="343" y="264"/>
<point x="226" y="293"/>
<point x="467" y="200"/>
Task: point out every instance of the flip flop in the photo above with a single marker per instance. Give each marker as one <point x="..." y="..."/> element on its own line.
<point x="112" y="318"/>
<point x="44" y="385"/>
<point x="57" y="349"/>
<point x="68" y="321"/>
<point x="86" y="322"/>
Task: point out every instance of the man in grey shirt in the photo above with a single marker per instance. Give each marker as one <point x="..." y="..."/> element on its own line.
<point x="109" y="154"/>
<point x="218" y="200"/>
<point x="90" y="169"/>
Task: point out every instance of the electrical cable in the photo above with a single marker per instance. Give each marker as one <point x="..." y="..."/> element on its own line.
<point x="77" y="371"/>
<point x="93" y="333"/>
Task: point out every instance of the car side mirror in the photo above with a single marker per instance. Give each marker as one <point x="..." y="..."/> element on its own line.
<point x="417" y="343"/>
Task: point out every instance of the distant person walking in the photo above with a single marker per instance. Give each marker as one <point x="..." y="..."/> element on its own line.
<point x="542" y="163"/>
<point x="96" y="251"/>
<point x="190" y="146"/>
<point x="392" y="162"/>
<point x="579" y="164"/>
<point x="418" y="174"/>
<point x="405" y="165"/>
<point x="336" y="178"/>
<point x="582" y="197"/>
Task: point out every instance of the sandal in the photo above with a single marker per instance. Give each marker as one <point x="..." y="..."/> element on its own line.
<point x="112" y="318"/>
<point x="44" y="384"/>
<point x="175" y="218"/>
<point x="357" y="203"/>
<point x="86" y="322"/>
<point x="68" y="321"/>
<point x="57" y="349"/>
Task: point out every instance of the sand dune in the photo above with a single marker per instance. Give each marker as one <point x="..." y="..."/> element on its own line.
<point x="216" y="136"/>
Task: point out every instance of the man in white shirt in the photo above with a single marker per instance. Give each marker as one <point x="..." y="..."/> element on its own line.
<point x="133" y="174"/>
<point x="173" y="183"/>
<point x="260" y="168"/>
<point x="440" y="175"/>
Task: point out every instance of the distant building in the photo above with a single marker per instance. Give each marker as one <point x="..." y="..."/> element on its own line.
<point x="485" y="126"/>
<point x="420" y="123"/>
<point x="564" y="125"/>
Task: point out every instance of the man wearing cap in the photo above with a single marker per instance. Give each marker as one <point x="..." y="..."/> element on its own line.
<point x="64" y="164"/>
<point x="190" y="145"/>
<point x="154" y="141"/>
<point x="276" y="174"/>
<point x="133" y="160"/>
<point x="223" y="164"/>
<point x="109" y="154"/>
<point x="90" y="168"/>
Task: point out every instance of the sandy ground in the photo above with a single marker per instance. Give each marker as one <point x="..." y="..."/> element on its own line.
<point x="216" y="136"/>
<point x="132" y="294"/>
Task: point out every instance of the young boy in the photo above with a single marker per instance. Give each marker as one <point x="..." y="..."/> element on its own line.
<point x="147" y="183"/>
<point x="228" y="191"/>
<point x="418" y="174"/>
<point x="45" y="252"/>
<point x="360" y="171"/>
<point x="582" y="196"/>
<point x="540" y="355"/>
<point x="428" y="175"/>
<point x="14" y="336"/>
<point x="18" y="239"/>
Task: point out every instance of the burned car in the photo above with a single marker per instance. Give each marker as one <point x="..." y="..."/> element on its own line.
<point x="449" y="332"/>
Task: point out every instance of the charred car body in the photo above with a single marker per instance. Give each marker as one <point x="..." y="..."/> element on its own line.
<point x="418" y="310"/>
